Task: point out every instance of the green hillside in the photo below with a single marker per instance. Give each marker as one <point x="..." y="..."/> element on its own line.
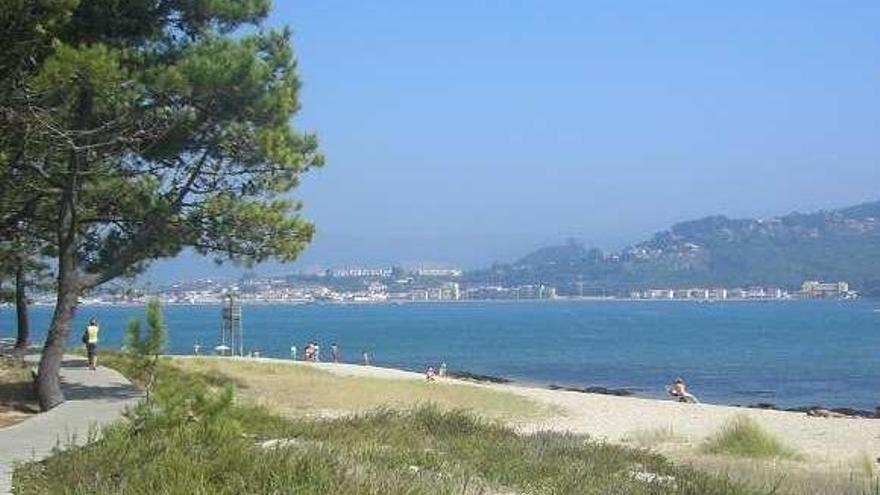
<point x="841" y="244"/>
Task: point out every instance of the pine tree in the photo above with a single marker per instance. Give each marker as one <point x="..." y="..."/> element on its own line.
<point x="148" y="126"/>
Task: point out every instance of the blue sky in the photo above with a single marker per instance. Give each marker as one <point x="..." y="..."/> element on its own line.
<point x="467" y="132"/>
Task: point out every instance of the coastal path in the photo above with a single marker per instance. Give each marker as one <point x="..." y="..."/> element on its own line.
<point x="93" y="399"/>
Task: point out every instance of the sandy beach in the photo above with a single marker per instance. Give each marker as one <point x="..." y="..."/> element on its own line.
<point x="831" y="441"/>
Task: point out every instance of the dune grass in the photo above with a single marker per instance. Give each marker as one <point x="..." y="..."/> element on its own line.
<point x="654" y="437"/>
<point x="195" y="437"/>
<point x="300" y="389"/>
<point x="17" y="398"/>
<point x="782" y="477"/>
<point x="743" y="437"/>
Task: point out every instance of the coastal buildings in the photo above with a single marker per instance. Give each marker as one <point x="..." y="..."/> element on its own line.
<point x="712" y="294"/>
<point x="814" y="289"/>
<point x="809" y="290"/>
<point x="438" y="272"/>
<point x="380" y="285"/>
<point x="359" y="272"/>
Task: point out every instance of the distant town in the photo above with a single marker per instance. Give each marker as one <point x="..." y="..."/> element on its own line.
<point x="396" y="285"/>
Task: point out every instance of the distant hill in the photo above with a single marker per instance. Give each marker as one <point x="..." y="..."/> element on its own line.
<point x="841" y="244"/>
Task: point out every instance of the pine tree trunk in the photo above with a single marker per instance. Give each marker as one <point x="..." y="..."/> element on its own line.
<point x="49" y="392"/>
<point x="21" y="311"/>
<point x="48" y="383"/>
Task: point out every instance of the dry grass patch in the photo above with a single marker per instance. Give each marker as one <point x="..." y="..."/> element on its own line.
<point x="783" y="477"/>
<point x="17" y="398"/>
<point x="297" y="389"/>
<point x="650" y="438"/>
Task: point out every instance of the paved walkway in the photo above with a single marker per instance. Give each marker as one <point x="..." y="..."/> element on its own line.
<point x="94" y="399"/>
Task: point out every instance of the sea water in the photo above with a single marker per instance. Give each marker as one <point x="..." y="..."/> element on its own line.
<point x="795" y="353"/>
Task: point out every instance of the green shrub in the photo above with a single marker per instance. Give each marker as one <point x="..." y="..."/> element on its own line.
<point x="743" y="437"/>
<point x="143" y="351"/>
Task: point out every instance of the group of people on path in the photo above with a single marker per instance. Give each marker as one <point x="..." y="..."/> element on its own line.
<point x="431" y="374"/>
<point x="312" y="352"/>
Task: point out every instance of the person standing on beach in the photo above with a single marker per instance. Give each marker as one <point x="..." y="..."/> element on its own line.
<point x="316" y="352"/>
<point x="366" y="357"/>
<point x="334" y="352"/>
<point x="293" y="350"/>
<point x="90" y="339"/>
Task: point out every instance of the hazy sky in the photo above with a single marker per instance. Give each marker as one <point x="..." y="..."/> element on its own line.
<point x="467" y="132"/>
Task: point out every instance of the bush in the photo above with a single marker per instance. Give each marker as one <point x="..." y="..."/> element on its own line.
<point x="143" y="350"/>
<point x="743" y="437"/>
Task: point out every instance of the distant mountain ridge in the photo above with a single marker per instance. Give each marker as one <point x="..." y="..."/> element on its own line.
<point x="841" y="244"/>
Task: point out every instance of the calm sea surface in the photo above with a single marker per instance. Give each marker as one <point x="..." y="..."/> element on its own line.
<point x="787" y="353"/>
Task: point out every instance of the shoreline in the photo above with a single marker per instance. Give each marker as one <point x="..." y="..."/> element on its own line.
<point x="831" y="442"/>
<point x="596" y="390"/>
<point x="562" y="299"/>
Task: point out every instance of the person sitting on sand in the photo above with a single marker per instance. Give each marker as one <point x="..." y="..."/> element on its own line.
<point x="679" y="390"/>
<point x="430" y="375"/>
<point x="821" y="412"/>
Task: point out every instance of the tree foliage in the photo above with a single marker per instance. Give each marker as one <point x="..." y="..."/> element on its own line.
<point x="142" y="127"/>
<point x="144" y="350"/>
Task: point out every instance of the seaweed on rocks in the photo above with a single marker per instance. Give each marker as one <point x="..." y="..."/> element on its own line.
<point x="467" y="375"/>
<point x="619" y="392"/>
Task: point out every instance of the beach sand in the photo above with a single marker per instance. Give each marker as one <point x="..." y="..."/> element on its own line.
<point x="830" y="441"/>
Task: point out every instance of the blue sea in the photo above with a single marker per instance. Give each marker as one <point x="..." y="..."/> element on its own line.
<point x="788" y="353"/>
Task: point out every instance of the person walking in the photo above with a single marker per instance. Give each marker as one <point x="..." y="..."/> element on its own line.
<point x="90" y="339"/>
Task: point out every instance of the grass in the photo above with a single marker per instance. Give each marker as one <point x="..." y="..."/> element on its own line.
<point x="654" y="437"/>
<point x="17" y="398"/>
<point x="782" y="477"/>
<point x="865" y="465"/>
<point x="194" y="437"/>
<point x="296" y="390"/>
<point x="743" y="437"/>
<point x="744" y="453"/>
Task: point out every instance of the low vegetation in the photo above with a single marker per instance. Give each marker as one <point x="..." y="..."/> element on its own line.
<point x="654" y="437"/>
<point x="17" y="397"/>
<point x="744" y="437"/>
<point x="295" y="390"/>
<point x="194" y="437"/>
<point x="783" y="477"/>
